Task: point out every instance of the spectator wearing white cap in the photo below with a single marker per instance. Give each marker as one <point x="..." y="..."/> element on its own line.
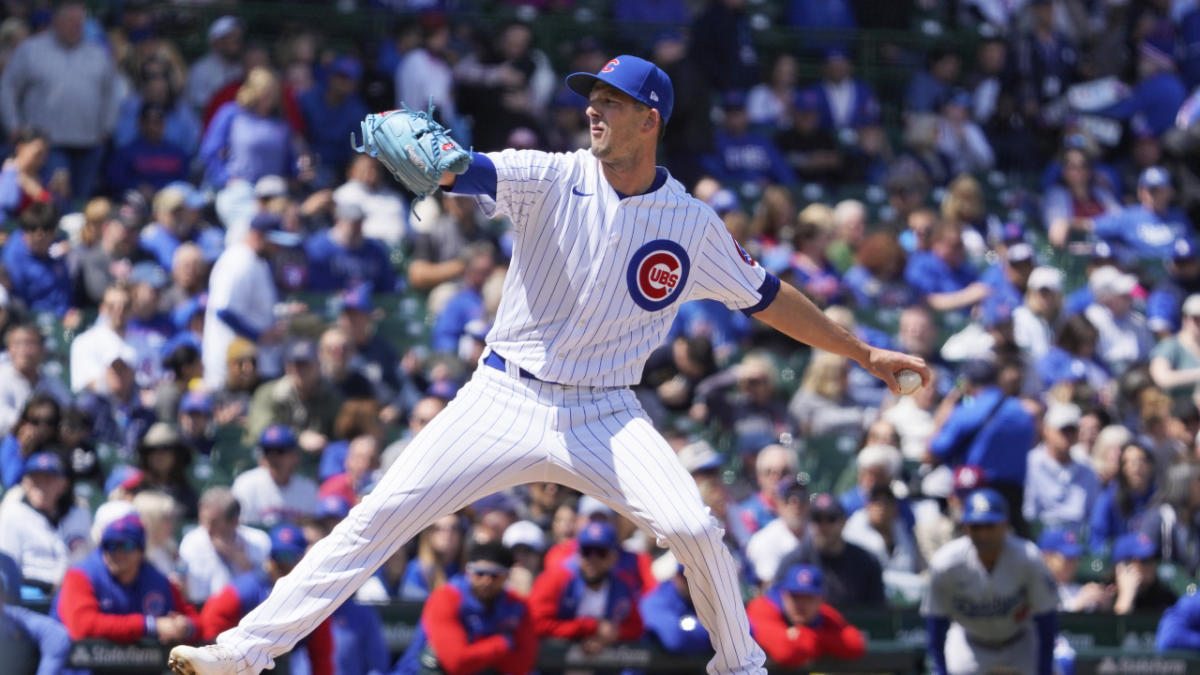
<point x="1175" y="361"/>
<point x="221" y="65"/>
<point x="527" y="542"/>
<point x="1059" y="490"/>
<point x="1036" y="320"/>
<point x="877" y="465"/>
<point x="1122" y="335"/>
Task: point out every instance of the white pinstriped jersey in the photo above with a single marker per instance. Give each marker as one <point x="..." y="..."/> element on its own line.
<point x="596" y="279"/>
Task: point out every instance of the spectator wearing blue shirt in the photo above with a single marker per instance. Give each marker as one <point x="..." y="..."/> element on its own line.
<point x="249" y="138"/>
<point x="1009" y="277"/>
<point x="341" y="257"/>
<point x="149" y="161"/>
<point x="669" y="616"/>
<point x="21" y="181"/>
<point x="844" y="101"/>
<point x="989" y="429"/>
<point x="942" y="275"/>
<point x="1149" y="229"/>
<point x="467" y="304"/>
<point x="1125" y="503"/>
<point x="177" y="219"/>
<point x="28" y="637"/>
<point x="157" y="87"/>
<point x="331" y="112"/>
<point x="930" y="88"/>
<point x="38" y="277"/>
<point x="742" y="156"/>
<point x="1182" y="280"/>
<point x="1179" y="627"/>
<point x="1159" y="92"/>
<point x="876" y="281"/>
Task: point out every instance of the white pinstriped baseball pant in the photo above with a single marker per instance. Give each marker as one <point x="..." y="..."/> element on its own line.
<point x="502" y="431"/>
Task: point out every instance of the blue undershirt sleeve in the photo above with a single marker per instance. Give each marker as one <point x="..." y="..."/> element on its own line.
<point x="478" y="179"/>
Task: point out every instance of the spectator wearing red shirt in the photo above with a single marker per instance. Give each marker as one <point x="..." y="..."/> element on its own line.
<point x="585" y="599"/>
<point x="114" y="594"/>
<point x="632" y="568"/>
<point x="471" y="624"/>
<point x="795" y="626"/>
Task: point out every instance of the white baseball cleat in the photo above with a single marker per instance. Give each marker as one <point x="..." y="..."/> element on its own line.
<point x="209" y="660"/>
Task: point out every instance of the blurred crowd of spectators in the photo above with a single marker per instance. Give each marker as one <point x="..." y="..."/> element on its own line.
<point x="175" y="219"/>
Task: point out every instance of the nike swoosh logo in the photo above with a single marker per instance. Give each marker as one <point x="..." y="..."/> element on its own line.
<point x="575" y="191"/>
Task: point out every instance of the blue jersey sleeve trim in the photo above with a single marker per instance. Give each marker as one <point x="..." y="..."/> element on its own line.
<point x="768" y="290"/>
<point x="237" y="324"/>
<point x="478" y="179"/>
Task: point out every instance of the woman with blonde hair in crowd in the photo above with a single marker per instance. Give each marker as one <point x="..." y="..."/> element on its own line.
<point x="965" y="204"/>
<point x="160" y="516"/>
<point x="439" y="557"/>
<point x="821" y="405"/>
<point x="1106" y="452"/>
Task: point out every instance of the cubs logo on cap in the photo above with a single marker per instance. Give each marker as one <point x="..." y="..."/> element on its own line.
<point x="657" y="274"/>
<point x="801" y="578"/>
<point x="608" y="67"/>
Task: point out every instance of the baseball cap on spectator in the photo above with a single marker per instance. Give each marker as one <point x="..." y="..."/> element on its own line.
<point x="734" y="99"/>
<point x="127" y="529"/>
<point x="597" y="533"/>
<point x="123" y="476"/>
<point x="1133" y="546"/>
<point x="239" y="349"/>
<point x="1191" y="306"/>
<point x="349" y="211"/>
<point x="524" y="533"/>
<point x="179" y="341"/>
<point x="700" y="456"/>
<point x="1019" y="252"/>
<point x="333" y="506"/>
<point x="968" y="478"/>
<point x="497" y="501"/>
<point x="277" y="437"/>
<point x="590" y="507"/>
<point x="806" y="100"/>
<point x="1102" y="250"/>
<point x="1046" y="278"/>
<point x="825" y="505"/>
<point x="642" y="80"/>
<point x="879" y="454"/>
<point x="1012" y="232"/>
<point x="348" y="67"/>
<point x="266" y="222"/>
<point x="149" y="273"/>
<point x="723" y="201"/>
<point x="358" y="298"/>
<point x="1062" y="415"/>
<point x="984" y="507"/>
<point x="222" y="27"/>
<point x="1153" y="177"/>
<point x="287" y="543"/>
<point x="995" y="311"/>
<point x="1184" y="248"/>
<point x="270" y="187"/>
<point x="801" y="578"/>
<point x="979" y="371"/>
<point x="1108" y="281"/>
<point x="1060" y="541"/>
<point x="443" y="389"/>
<point x="301" y="351"/>
<point x="161" y="435"/>
<point x="196" y="402"/>
<point x="45" y="462"/>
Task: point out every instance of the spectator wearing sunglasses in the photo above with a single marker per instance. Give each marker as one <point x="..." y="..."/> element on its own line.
<point x="37" y="530"/>
<point x="114" y="594"/>
<point x="35" y="430"/>
<point x="584" y="599"/>
<point x="223" y="610"/>
<point x="39" y="278"/>
<point x="472" y="624"/>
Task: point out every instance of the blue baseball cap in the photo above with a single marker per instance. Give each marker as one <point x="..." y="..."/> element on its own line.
<point x="149" y="273"/>
<point x="123" y="476"/>
<point x="332" y="506"/>
<point x="287" y="543"/>
<point x="1153" y="177"/>
<point x="1133" y="547"/>
<point x="277" y="436"/>
<point x="265" y="221"/>
<point x="358" y="298"/>
<point x="984" y="507"/>
<point x="301" y="351"/>
<point x="1063" y="542"/>
<point x="598" y="533"/>
<point x="179" y="341"/>
<point x="196" y="401"/>
<point x="45" y="462"/>
<point x="800" y="578"/>
<point x="348" y="67"/>
<point x="125" y="529"/>
<point x="644" y="81"/>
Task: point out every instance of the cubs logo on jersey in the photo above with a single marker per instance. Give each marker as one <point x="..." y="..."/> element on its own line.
<point x="742" y="252"/>
<point x="154" y="604"/>
<point x="657" y="274"/>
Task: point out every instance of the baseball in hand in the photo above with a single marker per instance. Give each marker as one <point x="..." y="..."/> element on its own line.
<point x="909" y="381"/>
